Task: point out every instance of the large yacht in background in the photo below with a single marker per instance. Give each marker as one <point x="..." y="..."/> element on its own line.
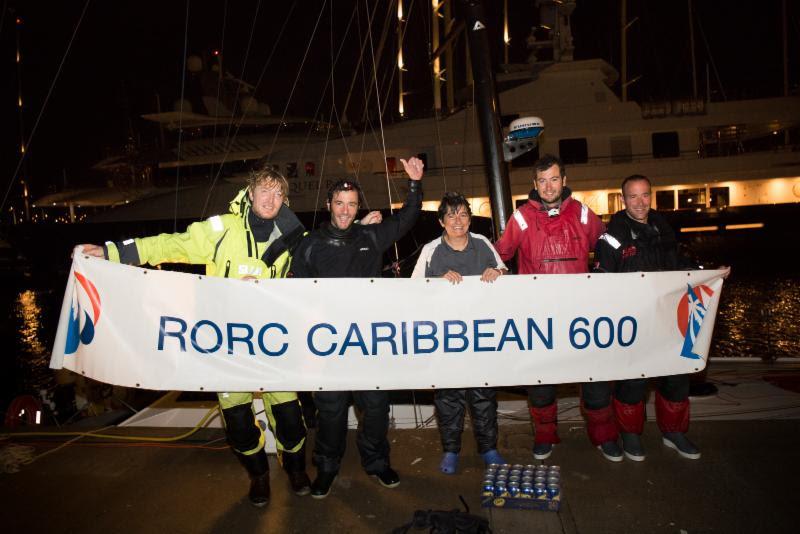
<point x="705" y="158"/>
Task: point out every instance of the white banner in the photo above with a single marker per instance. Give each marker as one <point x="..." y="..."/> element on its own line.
<point x="164" y="330"/>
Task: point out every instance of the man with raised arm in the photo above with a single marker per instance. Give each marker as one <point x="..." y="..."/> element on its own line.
<point x="342" y="249"/>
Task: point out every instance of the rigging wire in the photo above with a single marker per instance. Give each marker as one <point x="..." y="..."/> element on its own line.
<point x="436" y="112"/>
<point x="221" y="59"/>
<point x="711" y="58"/>
<point x="180" y="117"/>
<point x="44" y="106"/>
<point x="231" y="138"/>
<point x="297" y="78"/>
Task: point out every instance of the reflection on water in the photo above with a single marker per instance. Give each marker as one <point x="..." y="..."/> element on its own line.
<point x="28" y="312"/>
<point x="759" y="316"/>
<point x="26" y="336"/>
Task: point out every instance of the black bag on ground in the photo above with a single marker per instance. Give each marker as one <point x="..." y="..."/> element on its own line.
<point x="442" y="522"/>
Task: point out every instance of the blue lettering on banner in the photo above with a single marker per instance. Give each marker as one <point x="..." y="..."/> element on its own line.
<point x="449" y="335"/>
<point x="310" y="339"/>
<point x="244" y="339"/>
<point x="430" y="336"/>
<point x="373" y="338"/>
<point x="207" y="337"/>
<point x="264" y="348"/>
<point x="348" y="340"/>
<point x="162" y="332"/>
<point x="217" y="334"/>
<point x="602" y="334"/>
<point x="389" y="338"/>
<point x="478" y="335"/>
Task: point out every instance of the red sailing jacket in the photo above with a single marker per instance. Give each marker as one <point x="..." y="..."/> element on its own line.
<point x="545" y="244"/>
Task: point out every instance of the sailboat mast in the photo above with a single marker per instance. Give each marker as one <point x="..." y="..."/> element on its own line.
<point x="23" y="180"/>
<point x="487" y="106"/>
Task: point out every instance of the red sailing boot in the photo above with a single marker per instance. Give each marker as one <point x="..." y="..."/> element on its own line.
<point x="673" y="420"/>
<point x="545" y="430"/>
<point x="630" y="422"/>
<point x="603" y="432"/>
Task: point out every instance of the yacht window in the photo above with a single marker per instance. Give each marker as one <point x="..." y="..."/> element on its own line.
<point x="573" y="150"/>
<point x="719" y="197"/>
<point x="692" y="198"/>
<point x="666" y="145"/>
<point x="665" y="200"/>
<point x="621" y="149"/>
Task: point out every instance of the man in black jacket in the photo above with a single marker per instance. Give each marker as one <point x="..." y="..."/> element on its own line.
<point x="342" y="249"/>
<point x="639" y="239"/>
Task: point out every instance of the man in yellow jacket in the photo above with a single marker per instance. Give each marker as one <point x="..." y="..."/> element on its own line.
<point x="253" y="241"/>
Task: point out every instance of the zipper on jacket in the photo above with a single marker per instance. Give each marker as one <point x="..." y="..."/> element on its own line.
<point x="227" y="268"/>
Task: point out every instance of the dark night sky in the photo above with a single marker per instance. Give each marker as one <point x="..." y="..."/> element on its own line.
<point x="126" y="51"/>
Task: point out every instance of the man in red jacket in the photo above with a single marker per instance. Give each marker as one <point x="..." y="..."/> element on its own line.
<point x="553" y="234"/>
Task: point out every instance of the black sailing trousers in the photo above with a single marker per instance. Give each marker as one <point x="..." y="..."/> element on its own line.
<point x="331" y="438"/>
<point x="451" y="406"/>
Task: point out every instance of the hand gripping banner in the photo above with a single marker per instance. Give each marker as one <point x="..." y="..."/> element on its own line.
<point x="163" y="330"/>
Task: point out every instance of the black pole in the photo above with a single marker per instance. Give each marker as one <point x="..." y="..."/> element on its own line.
<point x="488" y="108"/>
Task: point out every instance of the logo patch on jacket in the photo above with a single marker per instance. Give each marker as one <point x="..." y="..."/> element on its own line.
<point x="629" y="252"/>
<point x="249" y="270"/>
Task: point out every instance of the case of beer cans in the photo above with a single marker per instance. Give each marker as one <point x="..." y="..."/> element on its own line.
<point x="528" y="487"/>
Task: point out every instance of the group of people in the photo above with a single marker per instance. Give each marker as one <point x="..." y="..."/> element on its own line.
<point x="552" y="233"/>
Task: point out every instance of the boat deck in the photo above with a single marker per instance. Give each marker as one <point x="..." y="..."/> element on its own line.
<point x="746" y="481"/>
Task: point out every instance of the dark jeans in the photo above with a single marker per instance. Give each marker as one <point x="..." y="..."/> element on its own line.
<point x="331" y="438"/>
<point x="450" y="410"/>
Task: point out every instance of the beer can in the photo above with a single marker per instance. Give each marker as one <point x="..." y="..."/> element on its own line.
<point x="556" y="468"/>
<point x="553" y="479"/>
<point x="526" y="478"/>
<point x="500" y="488"/>
<point x="513" y="489"/>
<point x="517" y="466"/>
<point x="514" y="478"/>
<point x="515" y="472"/>
<point x="488" y="485"/>
<point x="530" y="467"/>
<point x="502" y="478"/>
<point x="553" y="490"/>
<point x="539" y="480"/>
<point x="494" y="466"/>
<point x="505" y="466"/>
<point x="539" y="489"/>
<point x="526" y="488"/>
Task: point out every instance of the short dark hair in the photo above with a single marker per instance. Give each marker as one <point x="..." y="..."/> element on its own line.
<point x="345" y="185"/>
<point x="634" y="178"/>
<point x="547" y="161"/>
<point x="451" y="202"/>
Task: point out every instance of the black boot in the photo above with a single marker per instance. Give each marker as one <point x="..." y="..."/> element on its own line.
<point x="257" y="467"/>
<point x="294" y="463"/>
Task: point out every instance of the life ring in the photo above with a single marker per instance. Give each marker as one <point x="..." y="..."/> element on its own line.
<point x="23" y="409"/>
